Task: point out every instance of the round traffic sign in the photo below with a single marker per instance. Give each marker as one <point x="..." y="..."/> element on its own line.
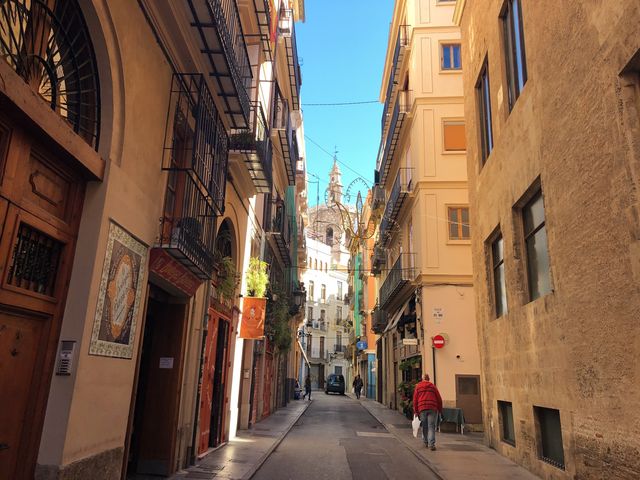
<point x="438" y="341"/>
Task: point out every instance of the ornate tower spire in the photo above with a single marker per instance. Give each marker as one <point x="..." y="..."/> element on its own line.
<point x="334" y="189"/>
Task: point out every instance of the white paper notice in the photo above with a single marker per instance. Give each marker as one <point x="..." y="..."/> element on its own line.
<point x="166" y="362"/>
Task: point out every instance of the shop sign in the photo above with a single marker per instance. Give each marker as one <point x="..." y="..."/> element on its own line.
<point x="409" y="341"/>
<point x="163" y="265"/>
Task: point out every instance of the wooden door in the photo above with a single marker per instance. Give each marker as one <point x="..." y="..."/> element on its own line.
<point x="41" y="198"/>
<point x="157" y="427"/>
<point x="219" y="405"/>
<point x="206" y="394"/>
<point x="468" y="397"/>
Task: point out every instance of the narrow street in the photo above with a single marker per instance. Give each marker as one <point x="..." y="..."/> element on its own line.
<point x="337" y="438"/>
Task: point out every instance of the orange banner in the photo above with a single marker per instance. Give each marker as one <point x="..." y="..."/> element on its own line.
<point x="253" y="315"/>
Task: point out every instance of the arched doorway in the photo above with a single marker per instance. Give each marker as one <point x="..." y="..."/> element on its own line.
<point x="47" y="45"/>
<point x="214" y="404"/>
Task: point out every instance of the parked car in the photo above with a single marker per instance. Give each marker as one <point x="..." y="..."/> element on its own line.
<point x="335" y="383"/>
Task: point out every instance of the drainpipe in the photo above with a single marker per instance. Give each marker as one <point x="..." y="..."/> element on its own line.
<point x="433" y="355"/>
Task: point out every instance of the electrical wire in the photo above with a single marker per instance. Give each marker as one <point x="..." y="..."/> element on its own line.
<point x="333" y="156"/>
<point x="340" y="104"/>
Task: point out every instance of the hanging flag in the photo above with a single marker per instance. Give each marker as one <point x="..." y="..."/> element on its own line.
<point x="253" y="315"/>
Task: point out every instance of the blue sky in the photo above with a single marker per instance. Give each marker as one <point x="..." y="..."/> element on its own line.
<point x="341" y="47"/>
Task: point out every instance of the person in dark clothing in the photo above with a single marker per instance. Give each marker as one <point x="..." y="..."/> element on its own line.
<point x="427" y="403"/>
<point x="307" y="387"/>
<point x="357" y="386"/>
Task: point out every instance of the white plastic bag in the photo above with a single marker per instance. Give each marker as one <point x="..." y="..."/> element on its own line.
<point x="415" y="424"/>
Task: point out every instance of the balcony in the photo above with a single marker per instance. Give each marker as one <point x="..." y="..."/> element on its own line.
<point x="402" y="187"/>
<point x="286" y="135"/>
<point x="389" y="142"/>
<point x="402" y="42"/>
<point x="339" y="348"/>
<point x="378" y="198"/>
<point x="279" y="232"/>
<point x="263" y="18"/>
<point x="287" y="29"/>
<point x="221" y="40"/>
<point x="379" y="319"/>
<point x="254" y="146"/>
<point x="401" y="274"/>
<point x="378" y="259"/>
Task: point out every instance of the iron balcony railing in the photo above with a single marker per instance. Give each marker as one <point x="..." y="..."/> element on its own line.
<point x="263" y="18"/>
<point x="254" y="144"/>
<point x="189" y="224"/>
<point x="279" y="229"/>
<point x="196" y="140"/>
<point x="402" y="186"/>
<point x="288" y="31"/>
<point x="402" y="41"/>
<point x="389" y="142"/>
<point x="378" y="197"/>
<point x="402" y="272"/>
<point x="379" y="319"/>
<point x="378" y="259"/>
<point x="339" y="348"/>
<point x="286" y="135"/>
<point x="221" y="39"/>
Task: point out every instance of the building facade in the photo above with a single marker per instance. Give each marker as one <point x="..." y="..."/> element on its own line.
<point x="131" y="183"/>
<point x="422" y="256"/>
<point x="553" y="161"/>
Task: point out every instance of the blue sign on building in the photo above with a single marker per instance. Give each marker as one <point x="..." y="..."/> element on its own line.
<point x="361" y="345"/>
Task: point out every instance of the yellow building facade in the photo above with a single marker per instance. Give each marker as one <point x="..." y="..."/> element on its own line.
<point x="423" y="255"/>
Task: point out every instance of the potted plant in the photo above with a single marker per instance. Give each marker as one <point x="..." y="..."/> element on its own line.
<point x="228" y="278"/>
<point x="254" y="304"/>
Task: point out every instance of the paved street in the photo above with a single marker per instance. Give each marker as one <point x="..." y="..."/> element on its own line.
<point x="336" y="438"/>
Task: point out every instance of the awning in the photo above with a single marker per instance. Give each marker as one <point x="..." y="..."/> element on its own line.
<point x="304" y="354"/>
<point x="396" y="317"/>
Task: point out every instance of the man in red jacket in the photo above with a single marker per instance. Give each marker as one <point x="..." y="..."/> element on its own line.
<point x="427" y="403"/>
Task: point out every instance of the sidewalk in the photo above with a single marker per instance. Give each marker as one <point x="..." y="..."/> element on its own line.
<point x="458" y="457"/>
<point x="241" y="457"/>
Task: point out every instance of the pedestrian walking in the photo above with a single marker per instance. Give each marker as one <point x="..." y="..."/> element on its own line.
<point x="427" y="404"/>
<point x="307" y="387"/>
<point x="357" y="386"/>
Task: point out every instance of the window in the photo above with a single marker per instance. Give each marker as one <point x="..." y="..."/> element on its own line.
<point x="321" y="347"/>
<point x="309" y="344"/>
<point x="309" y="314"/>
<point x="323" y="293"/>
<point x="315" y="263"/>
<point x="535" y="238"/>
<point x="311" y="284"/>
<point x="338" y="341"/>
<point x="483" y="99"/>
<point x="454" y="137"/>
<point x="514" y="49"/>
<point x="450" y="56"/>
<point x="507" y="432"/>
<point x="339" y="290"/>
<point x="459" y="223"/>
<point x="329" y="236"/>
<point x="550" y="436"/>
<point x="323" y="313"/>
<point x="497" y="265"/>
<point x="338" y="314"/>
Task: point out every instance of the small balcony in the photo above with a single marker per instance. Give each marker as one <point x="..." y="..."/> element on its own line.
<point x="402" y="42"/>
<point x="379" y="319"/>
<point x="221" y="40"/>
<point x="263" y="18"/>
<point x="287" y="29"/>
<point x="378" y="198"/>
<point x="401" y="274"/>
<point x="279" y="231"/>
<point x="402" y="187"/>
<point x="339" y="348"/>
<point x="389" y="142"/>
<point x="254" y="146"/>
<point x="286" y="135"/>
<point x="378" y="259"/>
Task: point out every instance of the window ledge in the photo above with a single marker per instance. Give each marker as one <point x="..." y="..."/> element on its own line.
<point x="459" y="242"/>
<point x="449" y="71"/>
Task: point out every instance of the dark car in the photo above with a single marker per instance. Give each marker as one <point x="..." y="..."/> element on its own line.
<point x="335" y="383"/>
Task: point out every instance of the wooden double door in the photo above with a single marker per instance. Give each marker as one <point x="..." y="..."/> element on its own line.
<point x="41" y="195"/>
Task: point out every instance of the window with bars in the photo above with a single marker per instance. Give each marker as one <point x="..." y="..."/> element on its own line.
<point x="549" y="427"/>
<point x="515" y="59"/>
<point x="497" y="266"/>
<point x="483" y="102"/>
<point x="537" y="254"/>
<point x="450" y="58"/>
<point x="309" y="314"/>
<point x="459" y="223"/>
<point x="507" y="430"/>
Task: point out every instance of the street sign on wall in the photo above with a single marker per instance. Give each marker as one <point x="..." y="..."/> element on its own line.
<point x="361" y="345"/>
<point x="438" y="341"/>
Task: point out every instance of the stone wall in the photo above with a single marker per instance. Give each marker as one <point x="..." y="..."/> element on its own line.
<point x="576" y="130"/>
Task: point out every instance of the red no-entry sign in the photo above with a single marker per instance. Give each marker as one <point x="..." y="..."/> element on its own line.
<point x="438" y="341"/>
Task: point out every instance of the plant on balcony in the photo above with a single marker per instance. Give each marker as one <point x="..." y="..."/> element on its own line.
<point x="243" y="140"/>
<point x="228" y="278"/>
<point x="278" y="318"/>
<point x="254" y="304"/>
